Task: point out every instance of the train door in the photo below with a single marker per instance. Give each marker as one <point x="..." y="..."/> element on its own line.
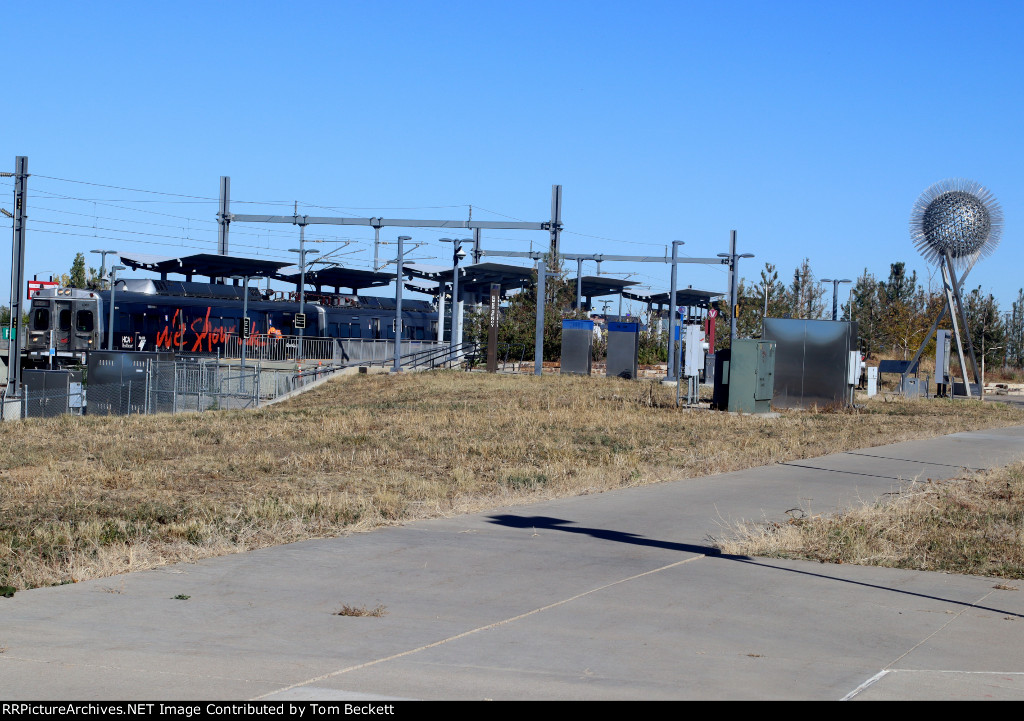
<point x="62" y="326"/>
<point x="85" y="337"/>
<point x="375" y="328"/>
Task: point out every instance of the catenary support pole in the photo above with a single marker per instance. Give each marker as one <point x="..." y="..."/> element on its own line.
<point x="398" y="303"/>
<point x="538" y="342"/>
<point x="670" y="372"/>
<point x="17" y="333"/>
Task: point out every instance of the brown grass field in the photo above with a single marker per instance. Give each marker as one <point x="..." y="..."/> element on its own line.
<point x="86" y="497"/>
<point x="973" y="525"/>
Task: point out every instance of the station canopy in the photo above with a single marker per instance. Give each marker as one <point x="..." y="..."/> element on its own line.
<point x="685" y="297"/>
<point x="594" y="286"/>
<point x="473" y="278"/>
<point x="204" y="264"/>
<point x="337" y="277"/>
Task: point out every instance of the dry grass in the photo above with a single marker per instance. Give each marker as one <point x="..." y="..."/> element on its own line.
<point x="361" y="611"/>
<point x="95" y="496"/>
<point x="972" y="525"/>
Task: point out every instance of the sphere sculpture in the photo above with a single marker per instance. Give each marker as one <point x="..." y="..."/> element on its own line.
<point x="956" y="218"/>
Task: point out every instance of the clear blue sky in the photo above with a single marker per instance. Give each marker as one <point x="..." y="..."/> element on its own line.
<point x="808" y="127"/>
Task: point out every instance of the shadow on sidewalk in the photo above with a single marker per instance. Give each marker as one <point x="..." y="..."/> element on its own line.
<point x="559" y="524"/>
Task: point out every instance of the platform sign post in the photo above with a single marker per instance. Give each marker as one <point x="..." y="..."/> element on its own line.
<point x="492" y="330"/>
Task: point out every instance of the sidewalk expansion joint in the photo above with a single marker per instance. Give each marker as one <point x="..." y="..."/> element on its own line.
<point x="472" y="631"/>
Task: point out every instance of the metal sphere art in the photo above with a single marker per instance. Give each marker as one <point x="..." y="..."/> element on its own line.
<point x="956" y="217"/>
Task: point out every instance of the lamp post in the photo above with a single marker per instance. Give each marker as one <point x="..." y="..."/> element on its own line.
<point x="733" y="261"/>
<point x="835" y="293"/>
<point x="110" y="324"/>
<point x="103" y="260"/>
<point x="302" y="251"/>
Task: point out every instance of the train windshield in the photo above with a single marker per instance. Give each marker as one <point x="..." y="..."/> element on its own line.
<point x="41" y="319"/>
<point x="84" y="322"/>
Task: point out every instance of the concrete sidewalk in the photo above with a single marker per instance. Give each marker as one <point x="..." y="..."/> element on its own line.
<point x="610" y="596"/>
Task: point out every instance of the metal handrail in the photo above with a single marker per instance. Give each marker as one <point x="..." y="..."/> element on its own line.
<point x="445" y="355"/>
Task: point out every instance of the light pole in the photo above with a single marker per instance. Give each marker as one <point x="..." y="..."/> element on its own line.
<point x="103" y="261"/>
<point x="733" y="261"/>
<point x="835" y="294"/>
<point x="302" y="251"/>
<point x="110" y="324"/>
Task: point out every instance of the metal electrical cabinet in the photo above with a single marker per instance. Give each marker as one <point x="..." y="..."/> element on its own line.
<point x="623" y="350"/>
<point x="751" y="376"/>
<point x="577" y="342"/>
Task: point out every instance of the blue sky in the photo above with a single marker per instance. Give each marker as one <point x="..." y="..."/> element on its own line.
<point x="810" y="128"/>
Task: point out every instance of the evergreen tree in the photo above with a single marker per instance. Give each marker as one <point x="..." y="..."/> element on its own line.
<point x="77" y="278"/>
<point x="1015" y="332"/>
<point x="988" y="331"/>
<point x="805" y="294"/>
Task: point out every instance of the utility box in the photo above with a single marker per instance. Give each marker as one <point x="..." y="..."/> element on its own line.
<point x="693" y="358"/>
<point x="751" y="376"/>
<point x="623" y="350"/>
<point x="119" y="382"/>
<point x="943" y="342"/>
<point x="50" y="393"/>
<point x="577" y="345"/>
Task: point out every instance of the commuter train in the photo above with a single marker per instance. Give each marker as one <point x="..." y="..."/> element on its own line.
<point x="198" y="318"/>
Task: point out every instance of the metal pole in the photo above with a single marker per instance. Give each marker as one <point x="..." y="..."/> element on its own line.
<point x="733" y="285"/>
<point x="245" y="314"/>
<point x="17" y="273"/>
<point x="440" y="312"/>
<point x="456" y="246"/>
<point x="556" y="220"/>
<point x="302" y="279"/>
<point x="670" y="371"/>
<point x="835" y="300"/>
<point x="398" y="304"/>
<point x="579" y="283"/>
<point x="538" y="343"/>
<point x="967" y="328"/>
<point x="110" y="323"/>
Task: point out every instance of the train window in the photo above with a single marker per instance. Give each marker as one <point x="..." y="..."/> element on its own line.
<point x="64" y="319"/>
<point x="84" y="321"/>
<point x="41" y="319"/>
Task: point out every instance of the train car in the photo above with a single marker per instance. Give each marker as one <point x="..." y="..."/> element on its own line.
<point x="198" y="318"/>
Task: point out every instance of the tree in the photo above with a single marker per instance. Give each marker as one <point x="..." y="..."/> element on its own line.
<point x="863" y="309"/>
<point x="988" y="332"/>
<point x="806" y="295"/>
<point x="77" y="278"/>
<point x="518" y="324"/>
<point x="1015" y="355"/>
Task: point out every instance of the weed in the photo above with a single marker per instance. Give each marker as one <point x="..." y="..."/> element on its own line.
<point x="181" y="597"/>
<point x="376" y="611"/>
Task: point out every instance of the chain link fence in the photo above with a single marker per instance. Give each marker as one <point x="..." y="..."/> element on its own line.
<point x="180" y="386"/>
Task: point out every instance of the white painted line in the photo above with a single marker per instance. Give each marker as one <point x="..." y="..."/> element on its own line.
<point x="475" y="630"/>
<point x="864" y="685"/>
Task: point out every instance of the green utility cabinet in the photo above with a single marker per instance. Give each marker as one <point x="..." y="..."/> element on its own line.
<point x="751" y="376"/>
